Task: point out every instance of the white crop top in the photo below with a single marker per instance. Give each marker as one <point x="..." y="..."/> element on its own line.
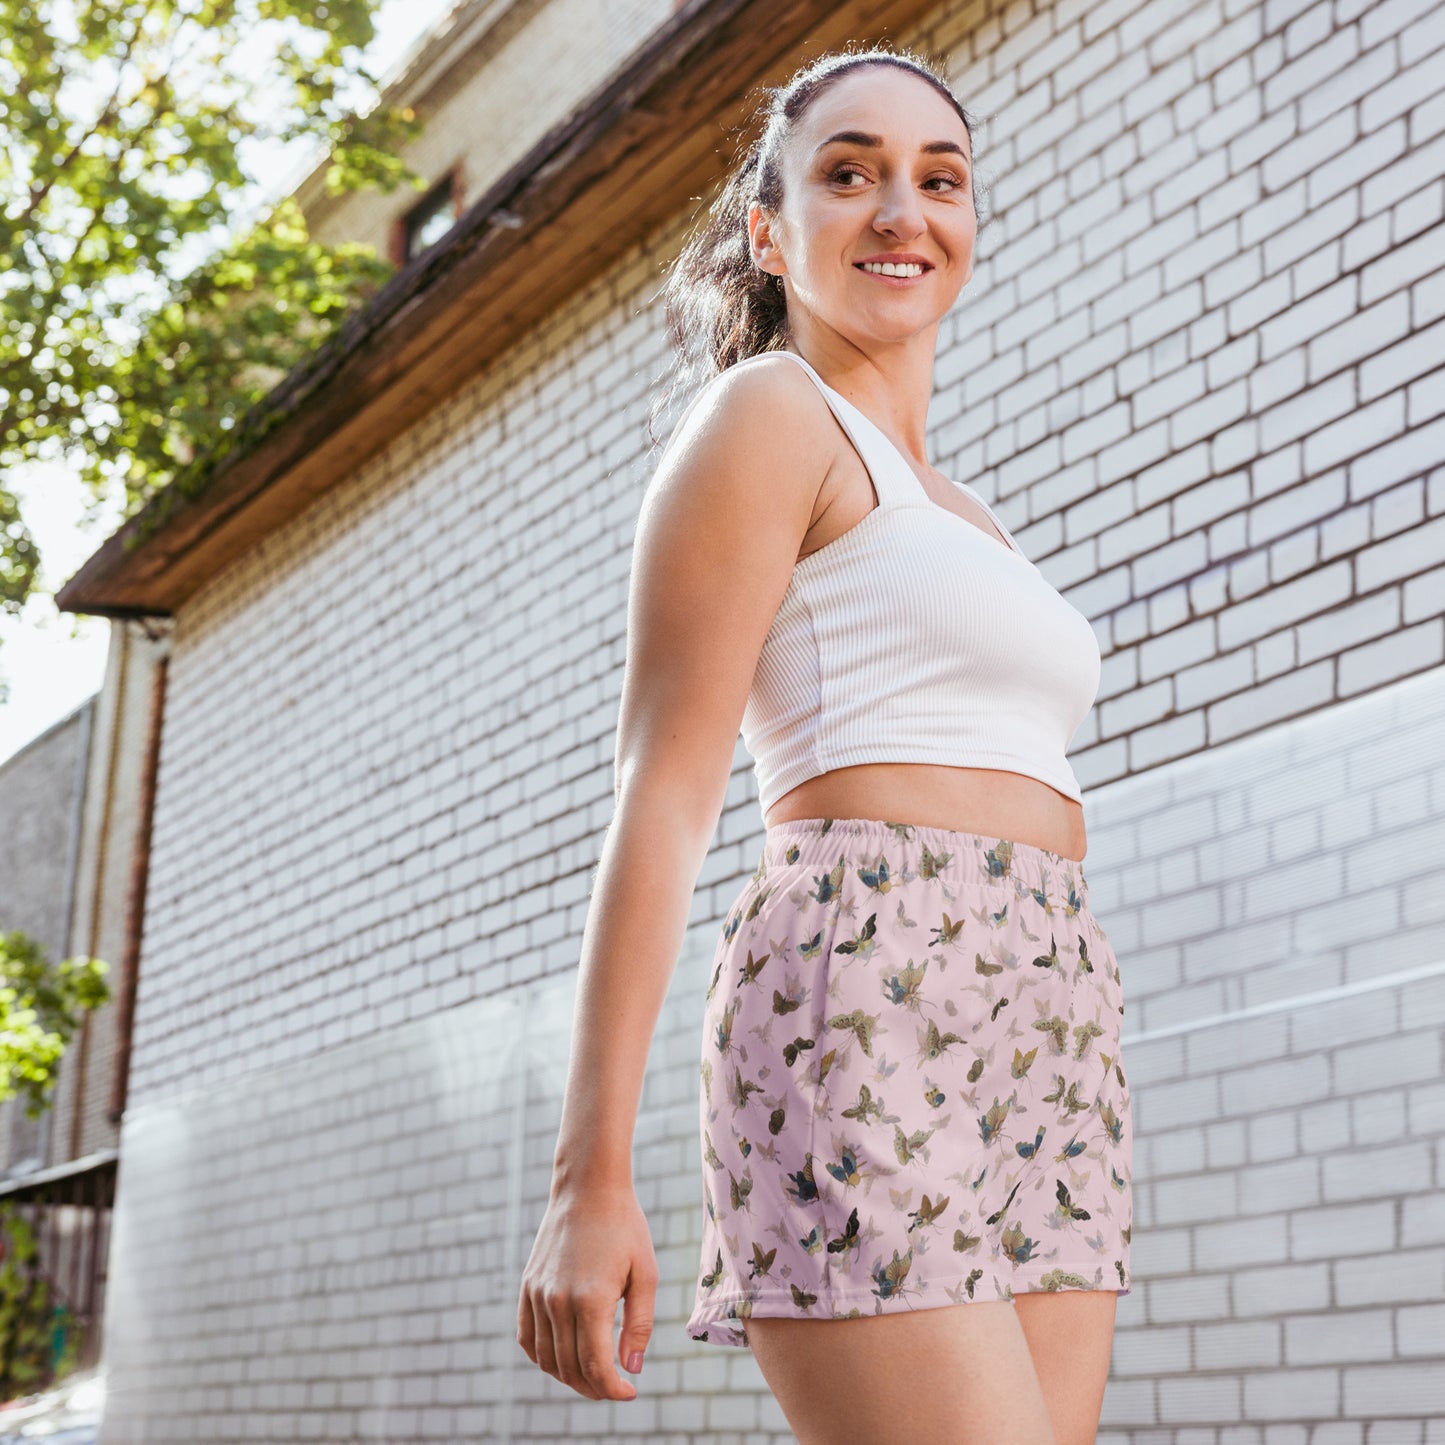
<point x="916" y="637"/>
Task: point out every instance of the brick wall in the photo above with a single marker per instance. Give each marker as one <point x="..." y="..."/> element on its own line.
<point x="1195" y="374"/>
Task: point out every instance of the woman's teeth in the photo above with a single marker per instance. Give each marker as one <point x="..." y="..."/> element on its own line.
<point x="892" y="268"/>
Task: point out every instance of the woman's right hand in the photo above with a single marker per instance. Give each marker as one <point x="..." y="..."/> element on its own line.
<point x="593" y="1248"/>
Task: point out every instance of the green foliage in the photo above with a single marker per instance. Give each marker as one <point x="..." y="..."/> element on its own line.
<point x="142" y="315"/>
<point x="40" y="1008"/>
<point x="30" y="1314"/>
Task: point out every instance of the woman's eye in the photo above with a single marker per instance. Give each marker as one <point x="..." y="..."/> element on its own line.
<point x="839" y="172"/>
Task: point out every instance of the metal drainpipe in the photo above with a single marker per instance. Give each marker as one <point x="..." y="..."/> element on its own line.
<point x="97" y="908"/>
<point x="139" y="876"/>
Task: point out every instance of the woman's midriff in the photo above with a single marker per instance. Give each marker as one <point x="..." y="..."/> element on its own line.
<point x="987" y="801"/>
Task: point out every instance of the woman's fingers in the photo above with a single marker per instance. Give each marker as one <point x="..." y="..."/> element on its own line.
<point x="593" y="1337"/>
<point x="583" y="1262"/>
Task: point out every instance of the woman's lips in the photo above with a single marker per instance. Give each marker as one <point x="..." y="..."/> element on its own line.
<point x="897" y="281"/>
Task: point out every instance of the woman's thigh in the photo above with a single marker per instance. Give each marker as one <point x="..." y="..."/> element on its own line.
<point x="1071" y="1336"/>
<point x="950" y="1375"/>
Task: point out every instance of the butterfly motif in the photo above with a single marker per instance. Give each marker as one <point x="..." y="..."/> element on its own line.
<point x="877" y="878"/>
<point x="862" y="942"/>
<point x="1000" y="1212"/>
<point x="845" y="1171"/>
<point x="742" y="1088"/>
<point x="812" y="1241"/>
<point x="932" y="864"/>
<point x="813" y="947"/>
<point x="829" y="884"/>
<point x="903" y="919"/>
<point x="1057" y="1279"/>
<point x="866" y="1108"/>
<point x="1017" y="1245"/>
<point x="739" y="1189"/>
<point x="975" y="1070"/>
<point x="1071" y="1150"/>
<point x="927" y="1213"/>
<point x="716" y="974"/>
<point x="753" y="967"/>
<point x="1067" y="1208"/>
<point x="1049" y="959"/>
<point x="792" y="854"/>
<point x="987" y="969"/>
<point x="709" y="1153"/>
<point x="1020" y="1066"/>
<point x="932" y="1093"/>
<point x="775" y="1121"/>
<point x="957" y="1292"/>
<point x="1000" y="1004"/>
<point x="731" y="927"/>
<point x="1115" y="1179"/>
<point x="903" y="988"/>
<point x="999" y="859"/>
<point x="1084" y="1034"/>
<point x="907" y="1145"/>
<point x="992" y="1120"/>
<point x="1056" y="1029"/>
<point x="802" y="1186"/>
<point x="889" y="1279"/>
<point x="945" y="933"/>
<point x="849" y="1237"/>
<point x="1027" y="1150"/>
<point x="1119" y="1265"/>
<point x="723" y="1036"/>
<point x="783" y="1004"/>
<point x="762" y="1263"/>
<point x="756" y="906"/>
<point x="1084" y="965"/>
<point x="802" y="1299"/>
<point x="966" y="1243"/>
<point x="934" y="1042"/>
<point x="860" y="1025"/>
<point x="1113" y="1124"/>
<point x="710" y="1279"/>
<point x="792" y="1050"/>
<point x="825" y="1065"/>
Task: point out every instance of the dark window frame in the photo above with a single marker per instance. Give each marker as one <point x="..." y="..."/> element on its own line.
<point x="445" y="194"/>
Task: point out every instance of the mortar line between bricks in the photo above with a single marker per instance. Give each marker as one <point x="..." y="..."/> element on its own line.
<point x="1302" y="1000"/>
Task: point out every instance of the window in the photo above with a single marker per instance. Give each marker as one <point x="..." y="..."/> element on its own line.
<point x="429" y="220"/>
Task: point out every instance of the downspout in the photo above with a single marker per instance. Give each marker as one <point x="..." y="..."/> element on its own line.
<point x="139" y="877"/>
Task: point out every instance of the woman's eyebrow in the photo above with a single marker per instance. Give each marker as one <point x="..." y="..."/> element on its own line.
<point x="863" y="138"/>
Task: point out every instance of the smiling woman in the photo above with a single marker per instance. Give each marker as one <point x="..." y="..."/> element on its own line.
<point x="913" y="1114"/>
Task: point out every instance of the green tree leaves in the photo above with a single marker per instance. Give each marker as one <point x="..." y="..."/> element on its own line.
<point x="143" y="312"/>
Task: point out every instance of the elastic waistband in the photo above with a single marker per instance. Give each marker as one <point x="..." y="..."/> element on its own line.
<point x="954" y="856"/>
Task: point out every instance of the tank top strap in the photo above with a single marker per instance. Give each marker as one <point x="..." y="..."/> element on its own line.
<point x="894" y="480"/>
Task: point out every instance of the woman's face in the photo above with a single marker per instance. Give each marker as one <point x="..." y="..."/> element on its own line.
<point x="899" y="183"/>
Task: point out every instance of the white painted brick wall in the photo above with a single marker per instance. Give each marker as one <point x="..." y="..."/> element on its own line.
<point x="1199" y="372"/>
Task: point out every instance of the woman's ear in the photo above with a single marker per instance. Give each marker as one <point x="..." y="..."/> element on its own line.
<point x="766" y="255"/>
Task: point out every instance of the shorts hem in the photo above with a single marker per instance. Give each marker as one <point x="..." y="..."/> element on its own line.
<point x="722" y="1328"/>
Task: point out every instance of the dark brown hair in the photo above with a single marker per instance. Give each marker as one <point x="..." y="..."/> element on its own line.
<point x="719" y="306"/>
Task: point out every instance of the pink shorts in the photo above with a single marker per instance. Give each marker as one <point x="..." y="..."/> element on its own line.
<point x="911" y="1087"/>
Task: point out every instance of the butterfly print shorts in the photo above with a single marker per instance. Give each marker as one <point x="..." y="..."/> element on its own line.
<point x="911" y="1089"/>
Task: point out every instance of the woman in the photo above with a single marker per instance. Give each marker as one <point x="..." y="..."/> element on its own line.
<point x="911" y="1094"/>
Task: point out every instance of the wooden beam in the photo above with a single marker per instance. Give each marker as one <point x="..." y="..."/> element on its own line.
<point x="626" y="161"/>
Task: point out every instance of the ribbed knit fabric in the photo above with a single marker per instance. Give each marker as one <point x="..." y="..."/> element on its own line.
<point x="915" y="637"/>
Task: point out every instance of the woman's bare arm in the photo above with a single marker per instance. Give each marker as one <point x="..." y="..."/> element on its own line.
<point x="718" y="534"/>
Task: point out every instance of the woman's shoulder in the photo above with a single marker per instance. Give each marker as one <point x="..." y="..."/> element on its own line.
<point x="769" y="392"/>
